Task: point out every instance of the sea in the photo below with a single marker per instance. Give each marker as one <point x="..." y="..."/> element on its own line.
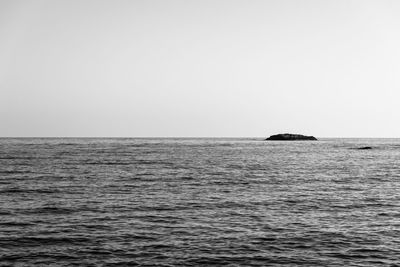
<point x="199" y="202"/>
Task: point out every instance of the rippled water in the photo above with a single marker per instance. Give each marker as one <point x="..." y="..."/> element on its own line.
<point x="196" y="202"/>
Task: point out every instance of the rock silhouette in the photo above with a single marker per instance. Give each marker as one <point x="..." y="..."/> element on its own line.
<point x="290" y="137"/>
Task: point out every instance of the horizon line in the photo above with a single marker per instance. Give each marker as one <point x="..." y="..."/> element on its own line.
<point x="174" y="137"/>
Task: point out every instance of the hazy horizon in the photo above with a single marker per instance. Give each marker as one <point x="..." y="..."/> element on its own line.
<point x="184" y="68"/>
<point x="320" y="138"/>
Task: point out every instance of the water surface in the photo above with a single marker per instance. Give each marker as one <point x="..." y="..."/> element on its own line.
<point x="196" y="202"/>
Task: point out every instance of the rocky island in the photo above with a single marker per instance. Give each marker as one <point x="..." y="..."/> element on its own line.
<point x="291" y="137"/>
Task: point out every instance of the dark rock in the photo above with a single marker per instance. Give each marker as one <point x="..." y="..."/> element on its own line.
<point x="365" y="147"/>
<point x="291" y="137"/>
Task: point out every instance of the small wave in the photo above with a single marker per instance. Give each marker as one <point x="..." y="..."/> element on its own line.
<point x="50" y="210"/>
<point x="42" y="241"/>
<point x="107" y="163"/>
<point x="15" y="172"/>
<point x="30" y="191"/>
<point x="18" y="224"/>
<point x="129" y="263"/>
<point x="14" y="190"/>
<point x="24" y="158"/>
<point x="68" y="144"/>
<point x="146" y="162"/>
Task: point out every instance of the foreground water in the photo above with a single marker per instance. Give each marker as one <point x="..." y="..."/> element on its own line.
<point x="196" y="202"/>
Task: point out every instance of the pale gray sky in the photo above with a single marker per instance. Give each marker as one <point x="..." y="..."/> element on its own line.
<point x="199" y="68"/>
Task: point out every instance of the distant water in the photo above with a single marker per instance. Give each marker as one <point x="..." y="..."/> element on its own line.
<point x="199" y="202"/>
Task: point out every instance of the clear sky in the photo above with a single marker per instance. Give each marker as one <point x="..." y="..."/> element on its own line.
<point x="184" y="68"/>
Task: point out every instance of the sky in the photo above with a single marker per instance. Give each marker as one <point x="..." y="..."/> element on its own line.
<point x="205" y="68"/>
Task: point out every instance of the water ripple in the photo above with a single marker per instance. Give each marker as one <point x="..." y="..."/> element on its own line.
<point x="199" y="202"/>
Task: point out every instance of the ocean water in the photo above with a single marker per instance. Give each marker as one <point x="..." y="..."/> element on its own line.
<point x="199" y="202"/>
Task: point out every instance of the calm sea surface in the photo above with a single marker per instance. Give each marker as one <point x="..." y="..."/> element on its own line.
<point x="199" y="202"/>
